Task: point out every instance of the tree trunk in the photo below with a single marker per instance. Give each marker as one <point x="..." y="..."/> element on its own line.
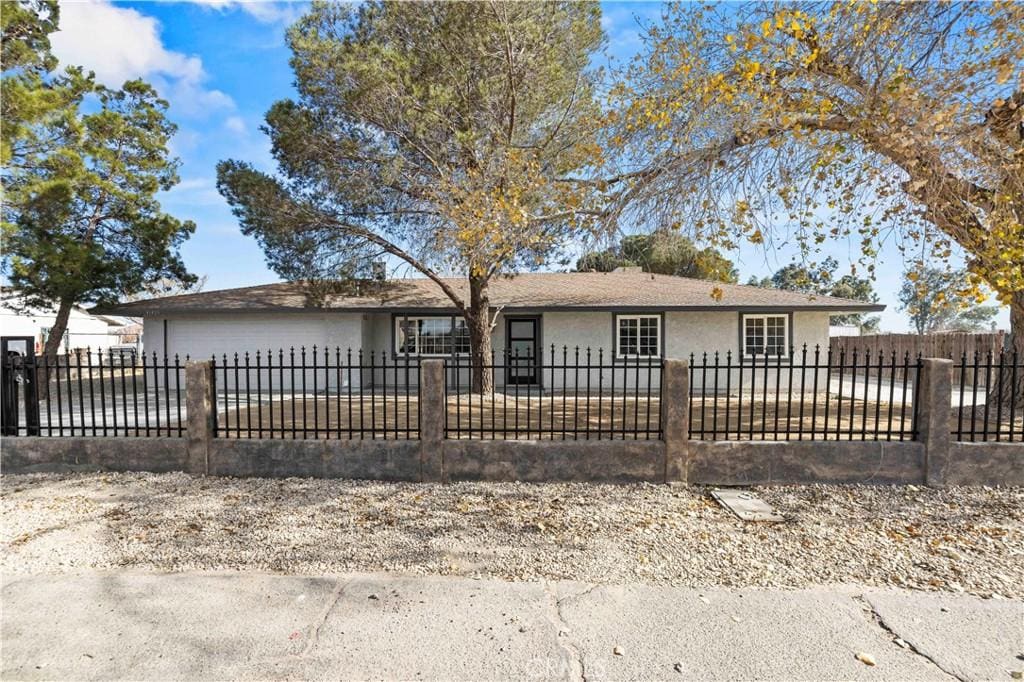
<point x="60" y="325"/>
<point x="478" y="320"/>
<point x="52" y="348"/>
<point x="1017" y="325"/>
<point x="1012" y="387"/>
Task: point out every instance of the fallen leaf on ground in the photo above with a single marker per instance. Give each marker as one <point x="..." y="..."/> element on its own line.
<point x="866" y="659"/>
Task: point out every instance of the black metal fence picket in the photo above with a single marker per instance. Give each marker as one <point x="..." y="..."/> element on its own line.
<point x="803" y="396"/>
<point x="317" y="393"/>
<point x="95" y="393"/>
<point x="571" y="394"/>
<point x="568" y="394"/>
<point x="987" y="394"/>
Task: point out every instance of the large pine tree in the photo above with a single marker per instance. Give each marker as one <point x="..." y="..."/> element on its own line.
<point x="434" y="133"/>
<point x="81" y="222"/>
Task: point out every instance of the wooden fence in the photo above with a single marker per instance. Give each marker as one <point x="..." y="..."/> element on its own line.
<point x="951" y="345"/>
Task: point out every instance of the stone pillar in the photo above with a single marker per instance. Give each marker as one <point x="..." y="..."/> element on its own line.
<point x="202" y="419"/>
<point x="432" y="415"/>
<point x="675" y="419"/>
<point x="933" y="395"/>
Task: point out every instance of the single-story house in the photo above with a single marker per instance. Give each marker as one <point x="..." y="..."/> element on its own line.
<point x="628" y="314"/>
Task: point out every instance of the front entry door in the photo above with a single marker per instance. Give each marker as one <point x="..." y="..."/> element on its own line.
<point x="522" y="344"/>
<point x="17" y="375"/>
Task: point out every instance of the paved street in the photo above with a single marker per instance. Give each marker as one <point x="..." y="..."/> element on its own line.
<point x="248" y="625"/>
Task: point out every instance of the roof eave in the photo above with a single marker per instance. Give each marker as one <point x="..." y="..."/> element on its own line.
<point x="413" y="310"/>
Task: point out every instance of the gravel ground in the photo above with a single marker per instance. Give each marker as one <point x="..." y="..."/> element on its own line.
<point x="958" y="539"/>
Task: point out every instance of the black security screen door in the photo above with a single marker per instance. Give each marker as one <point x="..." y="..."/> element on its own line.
<point x="17" y="385"/>
<point x="521" y="333"/>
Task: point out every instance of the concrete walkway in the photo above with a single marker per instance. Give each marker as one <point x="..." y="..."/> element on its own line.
<point x="232" y="625"/>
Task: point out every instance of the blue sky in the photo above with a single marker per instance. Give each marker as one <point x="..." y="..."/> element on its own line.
<point x="222" y="63"/>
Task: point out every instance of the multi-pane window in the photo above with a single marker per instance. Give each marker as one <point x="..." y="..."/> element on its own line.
<point x="445" y="335"/>
<point x="765" y="335"/>
<point x="638" y="336"/>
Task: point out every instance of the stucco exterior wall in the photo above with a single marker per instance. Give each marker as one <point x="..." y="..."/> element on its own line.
<point x="710" y="332"/>
<point x="204" y="336"/>
<point x="683" y="333"/>
<point x="700" y="332"/>
<point x="810" y="328"/>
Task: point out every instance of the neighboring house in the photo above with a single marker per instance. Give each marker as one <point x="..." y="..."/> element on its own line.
<point x="628" y="313"/>
<point x="128" y="332"/>
<point x="84" y="330"/>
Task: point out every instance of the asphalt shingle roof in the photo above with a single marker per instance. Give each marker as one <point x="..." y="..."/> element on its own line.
<point x="534" y="291"/>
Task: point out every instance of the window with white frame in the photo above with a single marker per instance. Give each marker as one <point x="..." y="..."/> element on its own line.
<point x="431" y="335"/>
<point x="638" y="336"/>
<point x="765" y="335"/>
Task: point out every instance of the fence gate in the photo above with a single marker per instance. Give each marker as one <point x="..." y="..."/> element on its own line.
<point x="17" y="375"/>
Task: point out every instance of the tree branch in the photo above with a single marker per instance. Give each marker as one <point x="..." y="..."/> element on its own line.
<point x="401" y="253"/>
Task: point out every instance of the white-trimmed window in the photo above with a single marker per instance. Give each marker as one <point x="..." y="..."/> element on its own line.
<point x="638" y="336"/>
<point x="766" y="335"/>
<point x="438" y="335"/>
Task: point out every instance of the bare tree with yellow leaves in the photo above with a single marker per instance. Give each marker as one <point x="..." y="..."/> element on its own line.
<point x="814" y="122"/>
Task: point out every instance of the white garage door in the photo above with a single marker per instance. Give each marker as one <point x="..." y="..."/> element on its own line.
<point x="201" y="338"/>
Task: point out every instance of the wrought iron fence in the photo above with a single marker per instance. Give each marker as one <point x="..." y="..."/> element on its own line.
<point x="570" y="393"/>
<point x="318" y="393"/>
<point x="576" y="394"/>
<point x="987" y="397"/>
<point x="803" y="396"/>
<point x="94" y="393"/>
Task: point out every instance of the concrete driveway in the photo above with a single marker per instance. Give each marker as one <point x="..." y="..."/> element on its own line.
<point x="249" y="626"/>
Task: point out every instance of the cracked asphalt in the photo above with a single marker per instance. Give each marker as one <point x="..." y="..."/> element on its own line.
<point x="227" y="625"/>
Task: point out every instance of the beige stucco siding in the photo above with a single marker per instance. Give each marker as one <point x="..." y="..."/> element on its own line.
<point x="810" y="328"/>
<point x="708" y="332"/>
<point x="700" y="332"/>
<point x="201" y="336"/>
<point x="204" y="336"/>
<point x="720" y="332"/>
<point x="585" y="330"/>
<point x="683" y="333"/>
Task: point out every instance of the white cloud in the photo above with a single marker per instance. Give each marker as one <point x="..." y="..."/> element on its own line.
<point x="236" y="125"/>
<point x="118" y="44"/>
<point x="262" y="11"/>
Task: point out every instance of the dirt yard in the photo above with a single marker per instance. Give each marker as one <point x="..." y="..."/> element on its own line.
<point x="556" y="417"/>
<point x="956" y="539"/>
